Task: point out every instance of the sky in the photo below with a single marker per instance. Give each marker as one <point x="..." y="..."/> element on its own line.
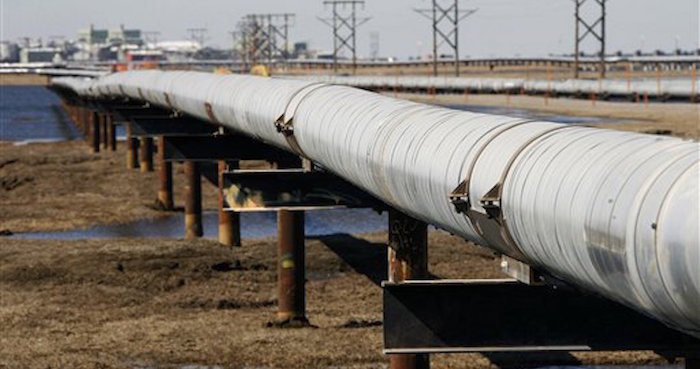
<point x="499" y="27"/>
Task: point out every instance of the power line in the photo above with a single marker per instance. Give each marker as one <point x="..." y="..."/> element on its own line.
<point x="451" y="15"/>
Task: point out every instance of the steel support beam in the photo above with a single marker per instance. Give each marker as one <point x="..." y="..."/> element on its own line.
<point x="193" y="201"/>
<point x="158" y="125"/>
<point x="291" y="266"/>
<point x="229" y="221"/>
<point x="165" y="178"/>
<point x="298" y="189"/>
<point x="408" y="260"/>
<point x="223" y="147"/>
<point x="509" y="316"/>
<point x="146" y="154"/>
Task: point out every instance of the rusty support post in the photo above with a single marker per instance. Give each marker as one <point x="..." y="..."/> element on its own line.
<point x="94" y="118"/>
<point x="146" y="155"/>
<point x="104" y="134"/>
<point x="193" y="201"/>
<point x="229" y="222"/>
<point x="408" y="259"/>
<point x="165" y="178"/>
<point x="111" y="133"/>
<point x="291" y="266"/>
<point x="132" y="145"/>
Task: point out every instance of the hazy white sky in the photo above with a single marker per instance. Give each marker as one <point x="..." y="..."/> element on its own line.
<point x="500" y="28"/>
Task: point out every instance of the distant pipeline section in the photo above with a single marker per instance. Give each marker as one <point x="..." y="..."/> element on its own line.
<point x="613" y="212"/>
<point x="667" y="89"/>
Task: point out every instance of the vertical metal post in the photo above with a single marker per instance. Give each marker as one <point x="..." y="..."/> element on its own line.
<point x="132" y="145"/>
<point x="286" y="41"/>
<point x="146" y="154"/>
<point x="229" y="221"/>
<point x="165" y="178"/>
<point x="103" y="130"/>
<point x="354" y="38"/>
<point x="270" y="40"/>
<point x="456" y="31"/>
<point x="335" y="38"/>
<point x="193" y="201"/>
<point x="602" y="39"/>
<point x="408" y="259"/>
<point x="576" y="35"/>
<point x="291" y="266"/>
<point x="112" y="133"/>
<point x="693" y="82"/>
<point x="94" y="118"/>
<point x="435" y="45"/>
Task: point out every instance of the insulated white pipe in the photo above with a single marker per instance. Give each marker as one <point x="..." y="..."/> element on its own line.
<point x="666" y="87"/>
<point x="614" y="212"/>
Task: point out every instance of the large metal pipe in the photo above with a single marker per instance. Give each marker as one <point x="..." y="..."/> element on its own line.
<point x="613" y="212"/>
<point x="671" y="87"/>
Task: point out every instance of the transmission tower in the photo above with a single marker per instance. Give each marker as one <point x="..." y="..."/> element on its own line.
<point x="198" y="35"/>
<point x="450" y="14"/>
<point x="266" y="37"/>
<point x="595" y="29"/>
<point x="344" y="23"/>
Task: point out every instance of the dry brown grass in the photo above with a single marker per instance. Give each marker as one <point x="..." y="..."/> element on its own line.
<point x="59" y="186"/>
<point x="125" y="303"/>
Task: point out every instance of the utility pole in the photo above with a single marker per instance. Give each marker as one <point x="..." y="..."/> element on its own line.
<point x="344" y="23"/>
<point x="447" y="12"/>
<point x="595" y="29"/>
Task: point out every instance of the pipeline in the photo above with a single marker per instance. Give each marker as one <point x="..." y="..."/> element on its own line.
<point x="613" y="212"/>
<point x="679" y="88"/>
